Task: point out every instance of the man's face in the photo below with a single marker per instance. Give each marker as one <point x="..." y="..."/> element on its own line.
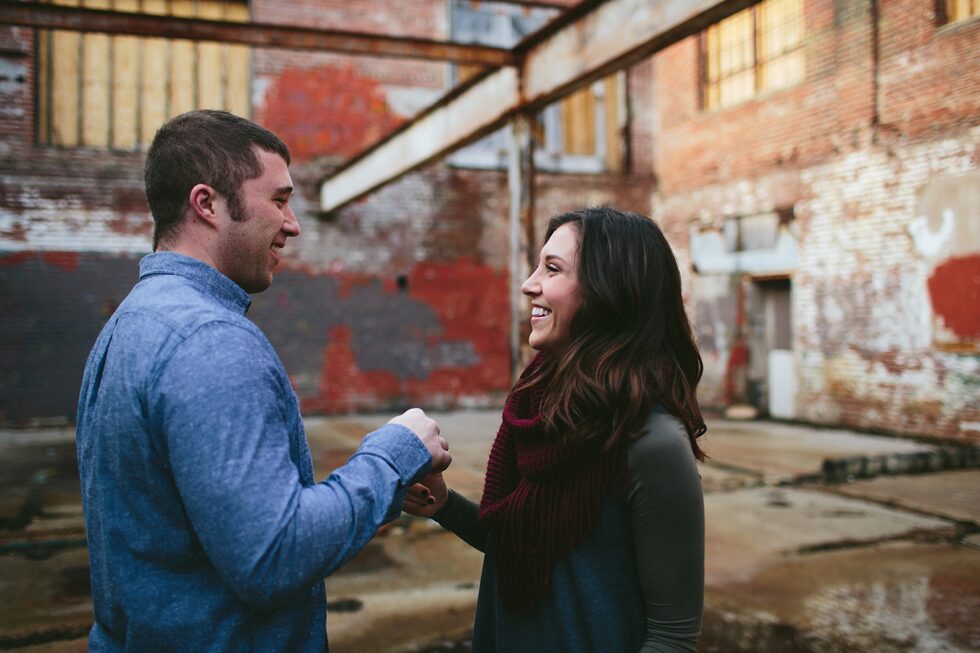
<point x="252" y="241"/>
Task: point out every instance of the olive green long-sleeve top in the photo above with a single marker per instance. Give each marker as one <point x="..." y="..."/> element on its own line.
<point x="636" y="583"/>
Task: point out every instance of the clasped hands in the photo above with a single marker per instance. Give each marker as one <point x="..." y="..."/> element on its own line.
<point x="424" y="499"/>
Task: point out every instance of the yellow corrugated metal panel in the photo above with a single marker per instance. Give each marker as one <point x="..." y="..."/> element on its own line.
<point x="578" y="121"/>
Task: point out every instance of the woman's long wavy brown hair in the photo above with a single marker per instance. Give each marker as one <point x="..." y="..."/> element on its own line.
<point x="631" y="344"/>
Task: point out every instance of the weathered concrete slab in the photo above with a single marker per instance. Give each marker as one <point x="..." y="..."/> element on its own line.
<point x="426" y="592"/>
<point x="38" y="483"/>
<point x="414" y="582"/>
<point x="79" y="645"/>
<point x="888" y="598"/>
<point x="44" y="595"/>
<point x="717" y="479"/>
<point x="953" y="494"/>
<point x="853" y="588"/>
<point x="469" y="433"/>
<point x="14" y="506"/>
<point x="10" y="438"/>
<point x="784" y="452"/>
<point x="749" y="529"/>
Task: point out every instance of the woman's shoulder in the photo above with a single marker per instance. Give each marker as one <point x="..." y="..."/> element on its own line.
<point x="661" y="461"/>
<point x="664" y="439"/>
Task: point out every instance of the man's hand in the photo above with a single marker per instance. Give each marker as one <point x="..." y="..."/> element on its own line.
<point x="427" y="430"/>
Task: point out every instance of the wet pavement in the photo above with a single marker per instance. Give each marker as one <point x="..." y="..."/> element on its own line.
<point x="796" y="560"/>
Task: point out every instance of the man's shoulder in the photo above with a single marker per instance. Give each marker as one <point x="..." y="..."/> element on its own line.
<point x="175" y="305"/>
<point x="162" y="317"/>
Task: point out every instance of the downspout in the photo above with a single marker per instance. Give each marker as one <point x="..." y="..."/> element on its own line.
<point x="875" y="65"/>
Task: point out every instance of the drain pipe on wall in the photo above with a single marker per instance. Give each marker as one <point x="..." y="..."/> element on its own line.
<point x="875" y="70"/>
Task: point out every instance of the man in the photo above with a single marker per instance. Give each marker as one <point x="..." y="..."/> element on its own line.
<point x="206" y="530"/>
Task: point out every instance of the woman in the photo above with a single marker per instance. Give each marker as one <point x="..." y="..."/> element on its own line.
<point x="592" y="518"/>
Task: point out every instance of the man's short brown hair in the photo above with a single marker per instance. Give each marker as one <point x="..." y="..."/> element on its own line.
<point x="202" y="147"/>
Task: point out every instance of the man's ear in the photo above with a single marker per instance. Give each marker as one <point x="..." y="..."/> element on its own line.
<point x="205" y="202"/>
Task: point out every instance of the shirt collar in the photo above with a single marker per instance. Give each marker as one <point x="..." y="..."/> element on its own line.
<point x="223" y="289"/>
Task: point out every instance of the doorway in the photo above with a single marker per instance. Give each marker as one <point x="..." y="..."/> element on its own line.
<point x="771" y="365"/>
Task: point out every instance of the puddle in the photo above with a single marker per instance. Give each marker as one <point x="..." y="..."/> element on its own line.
<point x="891" y="598"/>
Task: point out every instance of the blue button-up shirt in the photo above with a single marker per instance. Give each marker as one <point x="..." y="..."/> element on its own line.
<point x="206" y="530"/>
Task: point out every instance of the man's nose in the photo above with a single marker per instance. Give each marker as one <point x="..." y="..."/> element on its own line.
<point x="291" y="227"/>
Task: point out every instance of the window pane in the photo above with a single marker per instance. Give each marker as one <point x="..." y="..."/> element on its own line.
<point x="756" y="49"/>
<point x="578" y="120"/>
<point x="580" y="130"/>
<point x="961" y="9"/>
<point x="780" y="41"/>
<point x="782" y="72"/>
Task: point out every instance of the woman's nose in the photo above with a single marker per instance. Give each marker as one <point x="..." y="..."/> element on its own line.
<point x="530" y="286"/>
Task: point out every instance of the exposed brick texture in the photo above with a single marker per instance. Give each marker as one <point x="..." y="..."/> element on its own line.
<point x="875" y="153"/>
<point x="402" y="298"/>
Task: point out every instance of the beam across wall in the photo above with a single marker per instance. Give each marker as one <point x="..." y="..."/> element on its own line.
<point x="464" y="115"/>
<point x="599" y="37"/>
<point x="582" y="45"/>
<point x="539" y="4"/>
<point x="291" y="37"/>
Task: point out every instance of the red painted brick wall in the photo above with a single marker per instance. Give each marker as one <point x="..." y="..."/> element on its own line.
<point x="399" y="299"/>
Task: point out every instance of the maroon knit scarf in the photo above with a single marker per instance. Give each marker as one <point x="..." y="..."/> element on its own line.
<point x="541" y="497"/>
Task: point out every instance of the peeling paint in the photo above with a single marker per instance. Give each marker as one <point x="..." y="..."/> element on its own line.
<point x="329" y="110"/>
<point x="884" y="288"/>
<point x="929" y="242"/>
<point x="711" y="256"/>
<point x="440" y="340"/>
<point x="456" y="354"/>
<point x="954" y="288"/>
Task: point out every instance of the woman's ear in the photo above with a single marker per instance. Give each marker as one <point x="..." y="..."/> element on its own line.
<point x="204" y="204"/>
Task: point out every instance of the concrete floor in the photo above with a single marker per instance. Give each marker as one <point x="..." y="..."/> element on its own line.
<point x="793" y="564"/>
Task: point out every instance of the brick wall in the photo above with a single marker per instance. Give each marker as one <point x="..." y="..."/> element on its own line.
<point x="875" y="158"/>
<point x="930" y="77"/>
<point x="402" y="297"/>
<point x="868" y="349"/>
<point x="824" y="114"/>
<point x="399" y="299"/>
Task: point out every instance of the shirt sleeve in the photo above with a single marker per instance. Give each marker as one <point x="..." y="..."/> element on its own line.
<point x="667" y="514"/>
<point x="224" y="410"/>
<point x="462" y="517"/>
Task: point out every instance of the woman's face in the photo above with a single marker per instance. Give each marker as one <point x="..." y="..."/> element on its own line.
<point x="554" y="291"/>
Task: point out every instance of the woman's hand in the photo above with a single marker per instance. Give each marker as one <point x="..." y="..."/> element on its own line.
<point x="426" y="498"/>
